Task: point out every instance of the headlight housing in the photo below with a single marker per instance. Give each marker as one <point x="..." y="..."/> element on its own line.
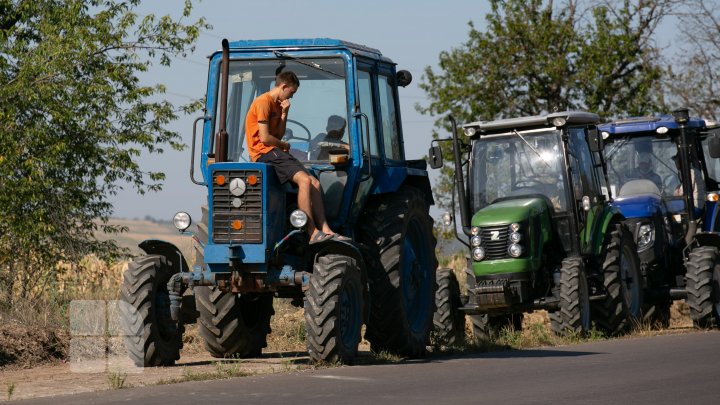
<point x="478" y="254"/>
<point x="298" y="218"/>
<point x="515" y="250"/>
<point x="475" y="241"/>
<point x="182" y="221"/>
<point x="645" y="236"/>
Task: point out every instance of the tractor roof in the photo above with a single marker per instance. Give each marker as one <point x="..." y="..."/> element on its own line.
<point x="647" y="124"/>
<point x="308" y="43"/>
<point x="536" y="121"/>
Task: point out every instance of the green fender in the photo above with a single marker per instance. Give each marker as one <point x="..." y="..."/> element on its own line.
<point x="605" y="217"/>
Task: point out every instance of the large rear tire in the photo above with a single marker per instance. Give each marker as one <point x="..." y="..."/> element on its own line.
<point x="622" y="280"/>
<point x="151" y="337"/>
<point x="232" y="325"/>
<point x="573" y="317"/>
<point x="703" y="286"/>
<point x="448" y="321"/>
<point x="401" y="269"/>
<point x="334" y="309"/>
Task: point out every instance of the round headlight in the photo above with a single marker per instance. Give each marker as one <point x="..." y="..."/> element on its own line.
<point x="514" y="227"/>
<point x="515" y="250"/>
<point x="478" y="254"/>
<point x="661" y="130"/>
<point x="470" y="131"/>
<point x="298" y="218"/>
<point x="182" y="221"/>
<point x="515" y="237"/>
<point x="475" y="241"/>
<point x="559" y="121"/>
<point x="474" y="230"/>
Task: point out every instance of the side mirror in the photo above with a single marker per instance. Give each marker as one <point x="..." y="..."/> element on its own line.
<point x="594" y="140"/>
<point x="714" y="146"/>
<point x="403" y="78"/>
<point x="435" y="157"/>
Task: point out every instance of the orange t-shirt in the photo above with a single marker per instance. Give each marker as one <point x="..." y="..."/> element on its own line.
<point x="263" y="108"/>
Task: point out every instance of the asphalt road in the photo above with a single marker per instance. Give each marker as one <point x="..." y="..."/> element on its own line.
<point x="675" y="369"/>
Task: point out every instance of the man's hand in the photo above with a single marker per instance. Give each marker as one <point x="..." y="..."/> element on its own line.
<point x="285" y="146"/>
<point x="285" y="105"/>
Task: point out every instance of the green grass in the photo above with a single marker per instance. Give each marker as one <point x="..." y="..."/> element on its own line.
<point x="10" y="389"/>
<point x="116" y="380"/>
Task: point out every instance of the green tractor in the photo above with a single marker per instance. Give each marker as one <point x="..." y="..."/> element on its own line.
<point x="539" y="228"/>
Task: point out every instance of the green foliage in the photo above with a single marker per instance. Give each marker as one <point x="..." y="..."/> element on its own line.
<point x="74" y="118"/>
<point x="537" y="56"/>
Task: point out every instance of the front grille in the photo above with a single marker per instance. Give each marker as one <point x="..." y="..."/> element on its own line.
<point x="249" y="213"/>
<point x="495" y="241"/>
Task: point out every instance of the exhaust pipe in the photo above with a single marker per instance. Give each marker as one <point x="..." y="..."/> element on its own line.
<point x="221" y="138"/>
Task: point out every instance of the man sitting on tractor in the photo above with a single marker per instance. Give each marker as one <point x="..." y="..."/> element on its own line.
<point x="264" y="128"/>
<point x="644" y="170"/>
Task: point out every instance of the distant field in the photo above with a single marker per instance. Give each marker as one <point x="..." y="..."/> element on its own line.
<point x="139" y="230"/>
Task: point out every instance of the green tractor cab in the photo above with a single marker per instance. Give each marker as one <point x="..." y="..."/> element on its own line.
<point x="540" y="230"/>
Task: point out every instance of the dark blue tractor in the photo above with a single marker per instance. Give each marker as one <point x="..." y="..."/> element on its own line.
<point x="250" y="244"/>
<point x="659" y="177"/>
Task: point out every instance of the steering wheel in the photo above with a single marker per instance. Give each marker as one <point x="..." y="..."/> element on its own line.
<point x="304" y="138"/>
<point x="670" y="183"/>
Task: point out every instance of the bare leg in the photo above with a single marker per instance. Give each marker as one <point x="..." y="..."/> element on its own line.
<point x="318" y="207"/>
<point x="304" y="201"/>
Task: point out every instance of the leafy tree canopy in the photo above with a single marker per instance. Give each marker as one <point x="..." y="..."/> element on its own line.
<point x="74" y="117"/>
<point x="538" y="56"/>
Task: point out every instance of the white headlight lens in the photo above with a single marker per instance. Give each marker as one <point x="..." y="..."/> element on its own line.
<point x="646" y="236"/>
<point x="515" y="237"/>
<point x="515" y="250"/>
<point x="182" y="221"/>
<point x="661" y="130"/>
<point x="559" y="121"/>
<point x="478" y="254"/>
<point x="475" y="241"/>
<point x="470" y="131"/>
<point x="474" y="230"/>
<point x="514" y="227"/>
<point x="298" y="219"/>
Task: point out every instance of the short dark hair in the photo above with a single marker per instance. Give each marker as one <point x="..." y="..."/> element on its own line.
<point x="287" y="77"/>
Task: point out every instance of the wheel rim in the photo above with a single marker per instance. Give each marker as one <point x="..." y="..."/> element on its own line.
<point x="350" y="321"/>
<point x="630" y="285"/>
<point x="166" y="326"/>
<point x="415" y="277"/>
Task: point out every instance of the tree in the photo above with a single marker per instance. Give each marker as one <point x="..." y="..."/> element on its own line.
<point x="692" y="81"/>
<point x="74" y="118"/>
<point x="537" y="57"/>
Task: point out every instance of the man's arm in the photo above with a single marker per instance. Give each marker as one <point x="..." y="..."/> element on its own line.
<point x="270" y="140"/>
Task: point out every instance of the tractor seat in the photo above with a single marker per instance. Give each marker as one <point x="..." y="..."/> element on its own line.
<point x="638" y="187"/>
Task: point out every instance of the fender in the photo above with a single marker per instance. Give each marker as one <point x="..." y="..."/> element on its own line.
<point x="609" y="214"/>
<point x="708" y="239"/>
<point x="167" y="249"/>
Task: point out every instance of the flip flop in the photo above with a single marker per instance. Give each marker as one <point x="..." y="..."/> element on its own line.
<point x="341" y="238"/>
<point x="320" y="236"/>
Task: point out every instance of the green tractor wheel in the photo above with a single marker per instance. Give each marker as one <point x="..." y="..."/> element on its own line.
<point x="151" y="337"/>
<point x="622" y="307"/>
<point x="573" y="316"/>
<point x="703" y="286"/>
<point x="400" y="254"/>
<point x="448" y="321"/>
<point x="334" y="309"/>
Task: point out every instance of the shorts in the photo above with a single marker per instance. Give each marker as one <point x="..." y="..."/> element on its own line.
<point x="285" y="164"/>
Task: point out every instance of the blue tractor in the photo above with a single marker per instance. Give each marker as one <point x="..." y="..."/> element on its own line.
<point x="250" y="244"/>
<point x="658" y="173"/>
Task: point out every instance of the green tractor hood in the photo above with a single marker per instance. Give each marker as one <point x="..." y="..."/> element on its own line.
<point x="493" y="221"/>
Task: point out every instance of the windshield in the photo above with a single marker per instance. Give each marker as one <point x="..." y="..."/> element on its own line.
<point x="318" y="108"/>
<point x="713" y="165"/>
<point x="641" y="164"/>
<point x="518" y="164"/>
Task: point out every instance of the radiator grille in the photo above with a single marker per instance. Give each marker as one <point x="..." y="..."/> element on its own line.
<point x="495" y="241"/>
<point x="249" y="213"/>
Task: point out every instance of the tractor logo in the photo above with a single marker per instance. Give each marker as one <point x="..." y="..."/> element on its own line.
<point x="494" y="235"/>
<point x="237" y="187"/>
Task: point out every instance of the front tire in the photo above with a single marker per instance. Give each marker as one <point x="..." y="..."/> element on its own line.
<point x="573" y="316"/>
<point x="448" y="320"/>
<point x="334" y="309"/>
<point x="151" y="338"/>
<point x="401" y="269"/>
<point x="622" y="307"/>
<point x="702" y="283"/>
<point x="232" y="325"/>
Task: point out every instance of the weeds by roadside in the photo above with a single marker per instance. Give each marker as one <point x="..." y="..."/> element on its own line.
<point x="116" y="380"/>
<point x="10" y="389"/>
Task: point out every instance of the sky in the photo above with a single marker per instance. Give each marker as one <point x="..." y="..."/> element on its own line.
<point x="411" y="33"/>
